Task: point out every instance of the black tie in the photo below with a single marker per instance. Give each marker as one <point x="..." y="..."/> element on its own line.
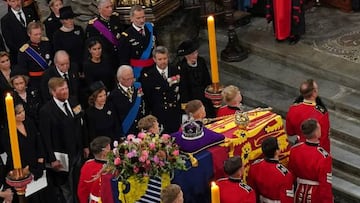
<point x="163" y="75"/>
<point x="67" y="110"/>
<point x="141" y="31"/>
<point x="22" y="21"/>
<point x="66" y="77"/>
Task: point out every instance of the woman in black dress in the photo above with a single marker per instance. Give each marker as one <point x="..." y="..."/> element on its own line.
<point x="30" y="145"/>
<point x="100" y="118"/>
<point x="5" y="70"/>
<point x="28" y="97"/>
<point x="69" y="37"/>
<point x="97" y="67"/>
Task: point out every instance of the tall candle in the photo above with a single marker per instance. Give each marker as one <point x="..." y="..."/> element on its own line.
<point x="215" y="193"/>
<point x="12" y="131"/>
<point x="212" y="48"/>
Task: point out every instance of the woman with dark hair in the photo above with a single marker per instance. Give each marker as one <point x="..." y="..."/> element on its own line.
<point x="5" y="70"/>
<point x="99" y="117"/>
<point x="30" y="145"/>
<point x="97" y="67"/>
<point x="28" y="97"/>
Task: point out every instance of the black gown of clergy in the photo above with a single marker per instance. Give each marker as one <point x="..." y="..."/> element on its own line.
<point x="193" y="81"/>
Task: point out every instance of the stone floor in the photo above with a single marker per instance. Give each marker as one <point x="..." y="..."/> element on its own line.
<point x="328" y="30"/>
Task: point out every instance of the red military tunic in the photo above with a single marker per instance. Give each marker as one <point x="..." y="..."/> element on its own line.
<point x="234" y="191"/>
<point x="271" y="181"/>
<point x="311" y="165"/>
<point x="302" y="111"/>
<point x="227" y="110"/>
<point x="89" y="176"/>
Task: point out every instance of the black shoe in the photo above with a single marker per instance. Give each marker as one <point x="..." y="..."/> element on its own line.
<point x="295" y="39"/>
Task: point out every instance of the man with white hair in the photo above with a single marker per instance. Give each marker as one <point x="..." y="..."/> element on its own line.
<point x="107" y="28"/>
<point x="64" y="69"/>
<point x="127" y="101"/>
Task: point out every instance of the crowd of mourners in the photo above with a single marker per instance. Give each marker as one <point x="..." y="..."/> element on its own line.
<point x="78" y="90"/>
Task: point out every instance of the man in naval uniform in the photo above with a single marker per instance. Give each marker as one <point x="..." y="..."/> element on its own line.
<point x="137" y="42"/>
<point x="161" y="91"/>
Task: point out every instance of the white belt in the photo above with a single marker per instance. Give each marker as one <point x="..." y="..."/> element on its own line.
<point x="307" y="182"/>
<point x="266" y="200"/>
<point x="94" y="198"/>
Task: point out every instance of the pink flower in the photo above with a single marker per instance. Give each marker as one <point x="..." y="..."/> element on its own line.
<point x="176" y="153"/>
<point x="130" y="137"/>
<point x="145" y="153"/>
<point x="165" y="137"/>
<point x="117" y="161"/>
<point x="142" y="159"/>
<point x="141" y="135"/>
<point x="156" y="159"/>
<point x="152" y="146"/>
<point x="161" y="163"/>
<point x="148" y="162"/>
<point x="131" y="154"/>
<point x="136" y="169"/>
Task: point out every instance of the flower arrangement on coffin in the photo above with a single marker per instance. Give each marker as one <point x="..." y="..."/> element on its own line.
<point x="144" y="156"/>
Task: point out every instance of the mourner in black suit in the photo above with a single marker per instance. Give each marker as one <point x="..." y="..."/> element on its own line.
<point x="135" y="40"/>
<point x="124" y="97"/>
<point x="161" y="91"/>
<point x="52" y="23"/>
<point x="61" y="130"/>
<point x="14" y="28"/>
<point x="195" y="76"/>
<point x="64" y="69"/>
<point x="107" y="27"/>
<point x="41" y="48"/>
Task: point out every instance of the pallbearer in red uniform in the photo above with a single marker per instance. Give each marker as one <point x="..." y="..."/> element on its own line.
<point x="89" y="184"/>
<point x="271" y="181"/>
<point x="279" y="11"/>
<point x="232" y="97"/>
<point x="311" y="165"/>
<point x="232" y="189"/>
<point x="309" y="105"/>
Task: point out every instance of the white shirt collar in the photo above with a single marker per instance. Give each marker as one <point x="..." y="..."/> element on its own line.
<point x="165" y="70"/>
<point x="123" y="87"/>
<point x="137" y="28"/>
<point x="61" y="73"/>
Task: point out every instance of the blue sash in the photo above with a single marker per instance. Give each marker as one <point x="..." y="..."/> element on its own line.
<point x="35" y="56"/>
<point x="147" y="51"/>
<point x="131" y="116"/>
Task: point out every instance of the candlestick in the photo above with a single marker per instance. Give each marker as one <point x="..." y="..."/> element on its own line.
<point x="215" y="193"/>
<point x="12" y="131"/>
<point x="213" y="51"/>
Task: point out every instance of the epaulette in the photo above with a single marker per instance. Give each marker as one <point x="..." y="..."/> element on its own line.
<point x="245" y="187"/>
<point x="323" y="152"/>
<point x="282" y="169"/>
<point x="125" y="34"/>
<point x="44" y="39"/>
<point x="321" y="109"/>
<point x="115" y="14"/>
<point x="24" y="47"/>
<point x="92" y="21"/>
